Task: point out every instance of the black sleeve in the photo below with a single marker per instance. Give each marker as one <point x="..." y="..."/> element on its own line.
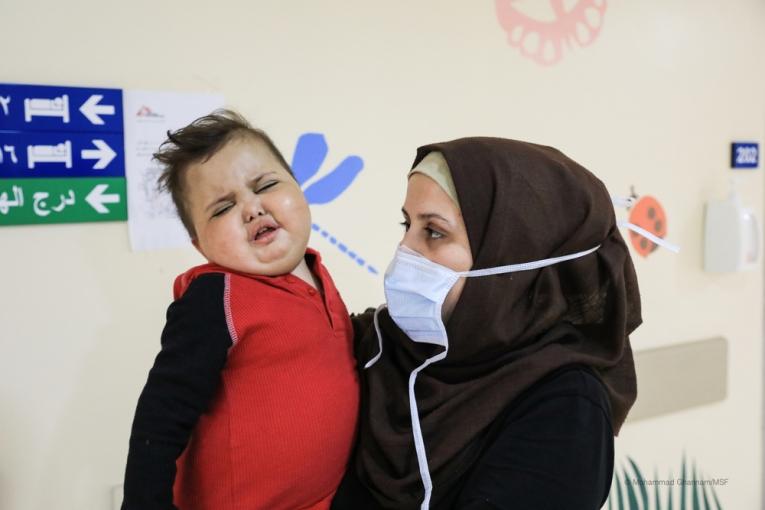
<point x="555" y="450"/>
<point x="361" y="324"/>
<point x="183" y="380"/>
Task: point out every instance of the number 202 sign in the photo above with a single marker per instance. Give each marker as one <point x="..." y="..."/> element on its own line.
<point x="744" y="155"/>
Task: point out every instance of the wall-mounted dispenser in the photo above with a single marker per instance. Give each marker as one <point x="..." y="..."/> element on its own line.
<point x="731" y="235"/>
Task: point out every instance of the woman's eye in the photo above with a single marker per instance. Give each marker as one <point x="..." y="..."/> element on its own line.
<point x="405" y="225"/>
<point x="266" y="186"/>
<point x="221" y="211"/>
<point x="434" y="234"/>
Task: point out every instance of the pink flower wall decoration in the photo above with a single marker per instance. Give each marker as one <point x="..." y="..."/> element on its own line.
<point x="542" y="40"/>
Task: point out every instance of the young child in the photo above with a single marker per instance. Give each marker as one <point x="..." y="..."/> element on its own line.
<point x="253" y="397"/>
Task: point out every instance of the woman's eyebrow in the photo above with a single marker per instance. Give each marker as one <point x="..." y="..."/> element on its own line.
<point x="427" y="216"/>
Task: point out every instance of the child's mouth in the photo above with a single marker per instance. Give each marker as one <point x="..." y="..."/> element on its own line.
<point x="265" y="234"/>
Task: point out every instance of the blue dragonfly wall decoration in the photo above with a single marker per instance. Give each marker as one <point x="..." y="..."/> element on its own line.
<point x="310" y="152"/>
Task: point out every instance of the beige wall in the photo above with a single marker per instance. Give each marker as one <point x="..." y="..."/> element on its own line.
<point x="653" y="102"/>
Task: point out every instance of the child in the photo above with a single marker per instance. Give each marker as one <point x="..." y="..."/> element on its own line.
<point x="254" y="394"/>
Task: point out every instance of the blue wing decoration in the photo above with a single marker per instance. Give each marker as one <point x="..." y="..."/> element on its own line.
<point x="333" y="185"/>
<point x="310" y="151"/>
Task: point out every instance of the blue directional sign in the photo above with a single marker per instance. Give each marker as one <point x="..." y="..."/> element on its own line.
<point x="62" y="155"/>
<point x="46" y="108"/>
<point x="29" y="155"/>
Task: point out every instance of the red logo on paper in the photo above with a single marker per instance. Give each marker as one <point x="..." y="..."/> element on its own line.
<point x="542" y="40"/>
<point x="145" y="111"/>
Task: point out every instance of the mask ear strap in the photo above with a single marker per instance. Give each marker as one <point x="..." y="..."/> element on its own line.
<point x="651" y="237"/>
<point x="379" y="338"/>
<point x="625" y="202"/>
<point x="527" y="266"/>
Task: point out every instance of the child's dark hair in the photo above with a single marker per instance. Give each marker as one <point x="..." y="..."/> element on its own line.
<point x="198" y="142"/>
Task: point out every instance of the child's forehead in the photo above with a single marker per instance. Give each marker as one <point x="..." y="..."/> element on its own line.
<point x="243" y="159"/>
<point x="244" y="154"/>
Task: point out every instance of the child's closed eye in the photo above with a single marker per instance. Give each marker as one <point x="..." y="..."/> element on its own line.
<point x="222" y="210"/>
<point x="266" y="186"/>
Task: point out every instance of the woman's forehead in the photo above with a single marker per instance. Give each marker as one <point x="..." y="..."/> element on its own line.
<point x="425" y="196"/>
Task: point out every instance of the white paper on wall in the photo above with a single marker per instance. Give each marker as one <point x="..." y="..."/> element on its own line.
<point x="152" y="221"/>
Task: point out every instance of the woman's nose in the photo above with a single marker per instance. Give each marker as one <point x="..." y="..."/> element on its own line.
<point x="410" y="241"/>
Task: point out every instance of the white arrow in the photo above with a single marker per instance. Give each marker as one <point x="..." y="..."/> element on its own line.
<point x="91" y="109"/>
<point x="97" y="199"/>
<point x="104" y="154"/>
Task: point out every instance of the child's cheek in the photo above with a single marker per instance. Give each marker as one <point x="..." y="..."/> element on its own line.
<point x="222" y="240"/>
<point x="294" y="208"/>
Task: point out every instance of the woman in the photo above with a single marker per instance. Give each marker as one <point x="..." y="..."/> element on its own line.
<point x="502" y="386"/>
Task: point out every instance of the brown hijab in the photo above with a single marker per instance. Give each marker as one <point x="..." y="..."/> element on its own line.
<point x="521" y="202"/>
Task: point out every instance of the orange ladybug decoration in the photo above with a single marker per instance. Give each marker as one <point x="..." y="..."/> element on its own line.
<point x="648" y="214"/>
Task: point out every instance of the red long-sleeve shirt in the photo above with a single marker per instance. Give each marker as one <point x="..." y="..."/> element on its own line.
<point x="256" y="384"/>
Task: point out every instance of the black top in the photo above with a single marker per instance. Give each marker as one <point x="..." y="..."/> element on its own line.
<point x="180" y="386"/>
<point x="552" y="448"/>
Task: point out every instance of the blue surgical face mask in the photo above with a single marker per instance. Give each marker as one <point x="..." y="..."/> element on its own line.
<point x="415" y="290"/>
